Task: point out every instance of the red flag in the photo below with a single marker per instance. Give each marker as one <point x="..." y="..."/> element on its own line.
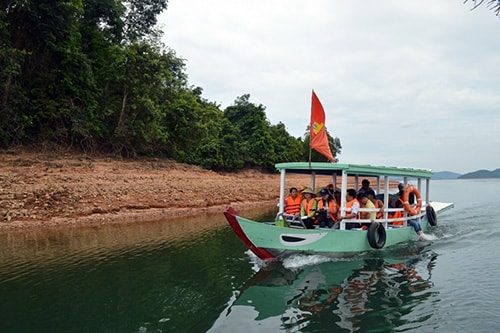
<point x="319" y="138"/>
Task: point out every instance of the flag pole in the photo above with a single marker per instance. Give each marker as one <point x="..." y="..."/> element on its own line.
<point x="310" y="156"/>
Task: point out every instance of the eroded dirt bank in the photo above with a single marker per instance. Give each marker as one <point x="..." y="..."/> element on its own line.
<point x="66" y="189"/>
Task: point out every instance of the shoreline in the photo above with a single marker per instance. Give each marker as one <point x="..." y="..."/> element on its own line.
<point x="125" y="218"/>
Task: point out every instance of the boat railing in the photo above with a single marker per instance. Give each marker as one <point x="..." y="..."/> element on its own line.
<point x="291" y="220"/>
<point x="386" y="221"/>
<point x="295" y="221"/>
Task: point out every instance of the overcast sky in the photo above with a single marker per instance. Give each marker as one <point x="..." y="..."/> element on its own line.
<point x="403" y="83"/>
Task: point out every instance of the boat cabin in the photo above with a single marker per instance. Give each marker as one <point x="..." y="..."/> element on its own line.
<point x="383" y="180"/>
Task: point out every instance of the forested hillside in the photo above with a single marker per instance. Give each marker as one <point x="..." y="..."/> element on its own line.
<point x="93" y="75"/>
<point x="481" y="174"/>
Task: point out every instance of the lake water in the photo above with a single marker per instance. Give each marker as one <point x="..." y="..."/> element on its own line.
<point x="195" y="275"/>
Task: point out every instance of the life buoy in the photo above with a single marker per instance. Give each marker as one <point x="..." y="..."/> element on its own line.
<point x="376" y="235"/>
<point x="406" y="204"/>
<point x="431" y="215"/>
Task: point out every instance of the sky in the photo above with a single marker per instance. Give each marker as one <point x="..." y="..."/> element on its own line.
<point x="403" y="83"/>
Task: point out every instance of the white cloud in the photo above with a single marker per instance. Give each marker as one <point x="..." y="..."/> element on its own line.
<point x="402" y="83"/>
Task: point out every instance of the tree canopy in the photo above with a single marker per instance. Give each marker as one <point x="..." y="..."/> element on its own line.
<point x="95" y="76"/>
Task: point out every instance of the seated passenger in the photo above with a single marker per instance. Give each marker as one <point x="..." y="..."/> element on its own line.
<point x="326" y="213"/>
<point x="377" y="203"/>
<point x="352" y="209"/>
<point x="292" y="202"/>
<point x="366" y="203"/>
<point x="308" y="208"/>
<point x="418" y="229"/>
<point x="398" y="203"/>
<point x="414" y="223"/>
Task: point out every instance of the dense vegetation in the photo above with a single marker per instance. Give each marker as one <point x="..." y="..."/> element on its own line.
<point x="94" y="75"/>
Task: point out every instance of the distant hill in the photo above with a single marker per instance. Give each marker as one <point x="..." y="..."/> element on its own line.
<point x="445" y="175"/>
<point x="481" y="174"/>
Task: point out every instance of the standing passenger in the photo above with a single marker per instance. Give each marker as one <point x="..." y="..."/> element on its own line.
<point x="365" y="186"/>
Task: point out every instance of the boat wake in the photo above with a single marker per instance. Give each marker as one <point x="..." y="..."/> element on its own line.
<point x="297" y="261"/>
<point x="430" y="237"/>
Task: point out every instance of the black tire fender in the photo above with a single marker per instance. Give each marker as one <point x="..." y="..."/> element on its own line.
<point x="376" y="235"/>
<point x="431" y="215"/>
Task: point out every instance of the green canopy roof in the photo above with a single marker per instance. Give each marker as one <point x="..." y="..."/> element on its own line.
<point x="326" y="168"/>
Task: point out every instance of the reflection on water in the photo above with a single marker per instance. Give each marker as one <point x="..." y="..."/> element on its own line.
<point x="368" y="295"/>
<point x="68" y="244"/>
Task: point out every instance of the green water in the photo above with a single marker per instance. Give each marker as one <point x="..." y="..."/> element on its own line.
<point x="140" y="278"/>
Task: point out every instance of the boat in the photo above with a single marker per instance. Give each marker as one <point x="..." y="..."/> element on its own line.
<point x="287" y="234"/>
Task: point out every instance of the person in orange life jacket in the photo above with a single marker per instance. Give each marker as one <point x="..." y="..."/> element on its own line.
<point x="377" y="203"/>
<point x="308" y="208"/>
<point x="365" y="186"/>
<point x="412" y="222"/>
<point x="334" y="192"/>
<point x="352" y="209"/>
<point x="397" y="202"/>
<point x="326" y="213"/>
<point x="292" y="202"/>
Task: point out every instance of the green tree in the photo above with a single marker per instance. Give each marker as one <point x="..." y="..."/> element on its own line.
<point x="146" y="82"/>
<point x="94" y="74"/>
<point x="12" y="127"/>
<point x="254" y="130"/>
<point x="286" y="147"/>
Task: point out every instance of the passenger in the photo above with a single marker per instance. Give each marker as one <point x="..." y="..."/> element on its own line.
<point x="414" y="223"/>
<point x="401" y="188"/>
<point x="366" y="203"/>
<point x="308" y="208"/>
<point x="330" y="188"/>
<point x="292" y="202"/>
<point x="377" y="203"/>
<point x="302" y="188"/>
<point x="418" y="229"/>
<point x="365" y="186"/>
<point x="326" y="210"/>
<point x="334" y="192"/>
<point x="337" y="196"/>
<point x="352" y="209"/>
<point x="398" y="203"/>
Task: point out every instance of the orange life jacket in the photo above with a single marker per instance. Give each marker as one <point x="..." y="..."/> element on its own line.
<point x="379" y="204"/>
<point x="308" y="208"/>
<point x="292" y="206"/>
<point x="398" y="214"/>
<point x="332" y="208"/>
<point x="348" y="207"/>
